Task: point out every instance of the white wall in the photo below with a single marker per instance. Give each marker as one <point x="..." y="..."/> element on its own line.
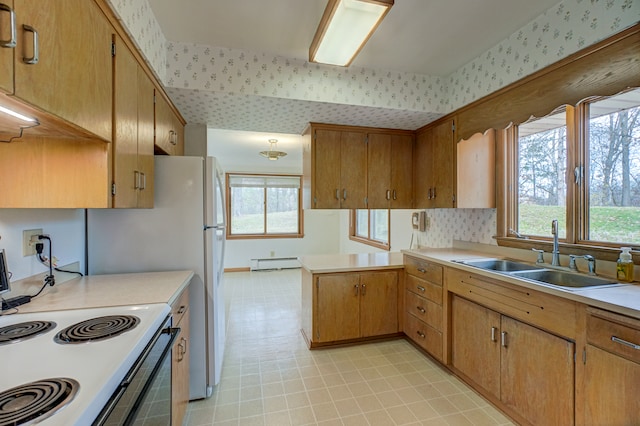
<point x="64" y="226"/>
<point x="321" y="229"/>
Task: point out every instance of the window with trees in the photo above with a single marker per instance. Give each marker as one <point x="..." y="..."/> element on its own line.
<point x="265" y="206"/>
<point x="370" y="227"/>
<point x="581" y="166"/>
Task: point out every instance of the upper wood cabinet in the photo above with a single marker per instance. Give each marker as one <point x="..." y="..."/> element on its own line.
<point x="389" y="166"/>
<point x="434" y="160"/>
<point x="66" y="69"/>
<point x="476" y="171"/>
<point x="6" y="46"/>
<point x="133" y="125"/>
<point x="169" y="133"/>
<point x="336" y="168"/>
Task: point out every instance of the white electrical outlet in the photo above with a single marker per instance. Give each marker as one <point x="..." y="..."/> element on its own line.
<point x="29" y="246"/>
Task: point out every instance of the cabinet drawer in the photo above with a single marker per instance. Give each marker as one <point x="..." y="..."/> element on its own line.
<point x="615" y="333"/>
<point x="424" y="289"/>
<point x="423" y="309"/>
<point x="423" y="269"/>
<point x="424" y="335"/>
<point x="180" y="307"/>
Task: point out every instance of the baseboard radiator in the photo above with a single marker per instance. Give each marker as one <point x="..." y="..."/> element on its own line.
<point x="274" y="263"/>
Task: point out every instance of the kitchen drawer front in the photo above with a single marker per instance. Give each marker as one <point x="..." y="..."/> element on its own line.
<point x="423" y="269"/>
<point x="427" y="337"/>
<point x="180" y="307"/>
<point x="545" y="311"/>
<point x="423" y="288"/>
<point x="614" y="333"/>
<point x="423" y="309"/>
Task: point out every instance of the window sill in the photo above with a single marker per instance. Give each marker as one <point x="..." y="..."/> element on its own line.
<point x="599" y="252"/>
<point x="262" y="236"/>
<point x="372" y="243"/>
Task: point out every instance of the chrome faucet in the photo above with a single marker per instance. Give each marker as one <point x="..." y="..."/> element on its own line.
<point x="555" y="254"/>
<point x="588" y="258"/>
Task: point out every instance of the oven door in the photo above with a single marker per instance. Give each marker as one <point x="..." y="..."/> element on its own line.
<point x="145" y="392"/>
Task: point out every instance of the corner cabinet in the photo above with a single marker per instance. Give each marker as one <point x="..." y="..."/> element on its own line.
<point x="350" y="306"/>
<point x="434" y="166"/>
<point x="180" y="359"/>
<point x="612" y="369"/>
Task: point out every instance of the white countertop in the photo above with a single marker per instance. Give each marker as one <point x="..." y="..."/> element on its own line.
<point x="623" y="299"/>
<point x="111" y="290"/>
<point x="322" y="264"/>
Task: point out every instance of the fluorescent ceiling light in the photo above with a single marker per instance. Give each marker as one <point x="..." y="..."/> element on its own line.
<point x="17" y="115"/>
<point x="345" y="27"/>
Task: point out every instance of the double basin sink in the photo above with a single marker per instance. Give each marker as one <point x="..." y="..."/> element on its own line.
<point x="539" y="274"/>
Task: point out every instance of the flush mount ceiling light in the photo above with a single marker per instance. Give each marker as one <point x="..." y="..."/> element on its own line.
<point x="345" y="27"/>
<point x="273" y="154"/>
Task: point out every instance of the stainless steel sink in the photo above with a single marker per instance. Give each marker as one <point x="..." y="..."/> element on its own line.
<point x="565" y="279"/>
<point x="499" y="265"/>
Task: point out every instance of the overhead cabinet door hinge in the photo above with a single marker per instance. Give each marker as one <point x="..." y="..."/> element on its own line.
<point x="113" y="189"/>
<point x="453" y="126"/>
<point x="113" y="49"/>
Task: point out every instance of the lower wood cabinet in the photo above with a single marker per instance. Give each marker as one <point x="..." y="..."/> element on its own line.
<point x="612" y="369"/>
<point x="180" y="360"/>
<point x="349" y="306"/>
<point x="528" y="370"/>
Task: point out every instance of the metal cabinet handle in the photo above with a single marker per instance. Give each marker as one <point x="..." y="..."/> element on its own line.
<point x="421" y="309"/>
<point x="182" y="309"/>
<point x="11" y="42"/>
<point x="364" y="289"/>
<point x="337" y="194"/>
<point x="420" y="333"/>
<point x="34" y="59"/>
<point x="429" y="197"/>
<point x="173" y="140"/>
<point x="356" y="287"/>
<point x="424" y="271"/>
<point x="182" y="348"/>
<point x="503" y="339"/>
<point x="144" y="181"/>
<point x="344" y="194"/>
<point x="434" y="192"/>
<point x="136" y="179"/>
<point x="395" y="196"/>
<point x="493" y="334"/>
<point x="419" y="287"/>
<point x="625" y="342"/>
<point x="388" y="194"/>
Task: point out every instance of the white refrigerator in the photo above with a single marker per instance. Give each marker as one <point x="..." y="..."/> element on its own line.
<point x="184" y="230"/>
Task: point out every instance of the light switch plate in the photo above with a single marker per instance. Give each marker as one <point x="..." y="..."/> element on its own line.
<point x="29" y="248"/>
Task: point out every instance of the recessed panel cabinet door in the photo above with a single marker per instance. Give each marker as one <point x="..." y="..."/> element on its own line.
<point x="537" y="379"/>
<point x="475" y="346"/>
<point x="378" y="303"/>
<point x="72" y="77"/>
<point x="6" y="51"/>
<point x="337" y="312"/>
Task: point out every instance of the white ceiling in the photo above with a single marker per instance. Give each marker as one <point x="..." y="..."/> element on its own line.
<point x="431" y="37"/>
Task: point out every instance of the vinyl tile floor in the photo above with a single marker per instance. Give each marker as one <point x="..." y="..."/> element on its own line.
<point x="269" y="377"/>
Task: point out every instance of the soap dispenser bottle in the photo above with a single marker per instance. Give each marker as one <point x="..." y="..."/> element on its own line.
<point x="625" y="265"/>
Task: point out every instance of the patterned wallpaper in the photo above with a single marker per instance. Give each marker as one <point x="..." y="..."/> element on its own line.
<point x="446" y="225"/>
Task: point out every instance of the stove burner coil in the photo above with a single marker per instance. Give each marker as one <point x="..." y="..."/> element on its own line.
<point x="33" y="402"/>
<point x="24" y="330"/>
<point x="98" y="328"/>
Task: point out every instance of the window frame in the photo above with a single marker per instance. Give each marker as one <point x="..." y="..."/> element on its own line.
<point x="368" y="240"/>
<point x="230" y="236"/>
<point x="577" y="201"/>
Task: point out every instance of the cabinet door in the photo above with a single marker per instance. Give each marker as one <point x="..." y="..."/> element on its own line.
<point x="180" y="369"/>
<point x="537" y="377"/>
<point x="422" y="170"/>
<point x="125" y="143"/>
<point x="163" y="125"/>
<point x="401" y="171"/>
<point x="326" y="169"/>
<point x="378" y="303"/>
<point x="379" y="170"/>
<point x="476" y="171"/>
<point x="146" y="92"/>
<point x="337" y="315"/>
<point x="74" y="42"/>
<point x="442" y="172"/>
<point x="475" y="348"/>
<point x="6" y="53"/>
<point x="353" y="170"/>
<point x="611" y="389"/>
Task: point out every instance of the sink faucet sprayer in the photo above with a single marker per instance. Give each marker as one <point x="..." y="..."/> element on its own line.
<point x="555" y="259"/>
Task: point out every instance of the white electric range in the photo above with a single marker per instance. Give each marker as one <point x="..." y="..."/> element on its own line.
<point x="91" y="371"/>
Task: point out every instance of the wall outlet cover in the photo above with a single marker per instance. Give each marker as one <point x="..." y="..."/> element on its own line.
<point x="29" y="248"/>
